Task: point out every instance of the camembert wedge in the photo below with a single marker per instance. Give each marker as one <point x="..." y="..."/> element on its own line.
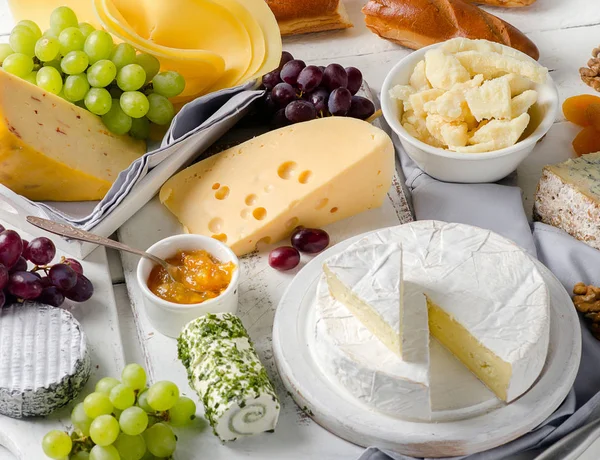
<point x="368" y="281"/>
<point x="52" y="150"/>
<point x="310" y="174"/>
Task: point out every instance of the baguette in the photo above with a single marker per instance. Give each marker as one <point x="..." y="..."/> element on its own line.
<point x="505" y="3"/>
<point x="419" y="23"/>
<point x="303" y="16"/>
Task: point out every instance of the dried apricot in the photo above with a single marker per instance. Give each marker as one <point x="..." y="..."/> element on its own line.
<point x="587" y="141"/>
<point x="592" y="114"/>
<point x="574" y="108"/>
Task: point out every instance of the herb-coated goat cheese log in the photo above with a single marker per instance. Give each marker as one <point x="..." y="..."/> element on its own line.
<point x="223" y="368"/>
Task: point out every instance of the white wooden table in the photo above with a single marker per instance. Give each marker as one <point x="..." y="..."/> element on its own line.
<point x="564" y="31"/>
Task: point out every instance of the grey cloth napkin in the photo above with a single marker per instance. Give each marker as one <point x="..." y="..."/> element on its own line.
<point x="498" y="207"/>
<point x="197" y="126"/>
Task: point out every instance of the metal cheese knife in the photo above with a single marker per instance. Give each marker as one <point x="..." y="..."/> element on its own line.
<point x="574" y="445"/>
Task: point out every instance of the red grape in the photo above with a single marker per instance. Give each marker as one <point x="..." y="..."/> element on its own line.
<point x="319" y="99"/>
<point x="63" y="277"/>
<point x="310" y="77"/>
<point x="361" y="107"/>
<point x="355" y="79"/>
<point x="11" y="247"/>
<point x="3" y="276"/>
<point x="24" y="285"/>
<point x="25" y="246"/>
<point x="41" y="251"/>
<point x="299" y="111"/>
<point x="2" y="299"/>
<point x="20" y="266"/>
<point x="290" y="71"/>
<point x="51" y="296"/>
<point x="2" y="228"/>
<point x="335" y="76"/>
<point x="339" y="103"/>
<point x="284" y="258"/>
<point x="46" y="281"/>
<point x="279" y="120"/>
<point x="310" y="240"/>
<point x="283" y="94"/>
<point x="82" y="290"/>
<point x="74" y="264"/>
<point x="285" y="58"/>
<point x="271" y="79"/>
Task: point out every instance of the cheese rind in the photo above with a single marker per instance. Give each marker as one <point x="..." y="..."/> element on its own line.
<point x="365" y="367"/>
<point x="44" y="359"/>
<point x="310" y="174"/>
<point x="52" y="150"/>
<point x="568" y="197"/>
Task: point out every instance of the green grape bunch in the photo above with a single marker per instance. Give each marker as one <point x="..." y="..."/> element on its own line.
<point x="123" y="420"/>
<point x="84" y="66"/>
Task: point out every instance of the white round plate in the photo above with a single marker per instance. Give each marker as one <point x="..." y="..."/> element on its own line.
<point x="345" y="416"/>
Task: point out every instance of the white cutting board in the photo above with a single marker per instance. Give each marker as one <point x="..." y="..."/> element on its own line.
<point x="468" y="417"/>
<point x="99" y="320"/>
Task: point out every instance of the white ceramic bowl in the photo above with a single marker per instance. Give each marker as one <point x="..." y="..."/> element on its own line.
<point x="451" y="166"/>
<point x="169" y="318"/>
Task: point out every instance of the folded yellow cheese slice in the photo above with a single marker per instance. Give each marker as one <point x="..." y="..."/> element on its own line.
<point x="52" y="150"/>
<point x="201" y="68"/>
<point x="310" y="174"/>
<point x="261" y="24"/>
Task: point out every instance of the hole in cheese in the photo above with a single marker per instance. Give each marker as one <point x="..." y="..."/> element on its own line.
<point x="322" y="203"/>
<point x="304" y="177"/>
<point x="259" y="213"/>
<point x="215" y="225"/>
<point x="264" y="241"/>
<point x="222" y="193"/>
<point x="333" y="210"/>
<point x="287" y="170"/>
<point x="268" y="188"/>
<point x="292" y="223"/>
<point x="216" y="186"/>
<point x="221" y="237"/>
<point x="251" y="199"/>
<point x="245" y="214"/>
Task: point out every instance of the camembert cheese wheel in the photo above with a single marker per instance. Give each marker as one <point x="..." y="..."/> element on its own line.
<point x="486" y="303"/>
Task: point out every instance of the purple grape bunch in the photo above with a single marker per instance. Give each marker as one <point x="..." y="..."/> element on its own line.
<point x="46" y="283"/>
<point x="297" y="92"/>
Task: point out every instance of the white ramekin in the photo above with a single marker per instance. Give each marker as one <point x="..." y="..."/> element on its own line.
<point x="169" y="318"/>
<point x="451" y="166"/>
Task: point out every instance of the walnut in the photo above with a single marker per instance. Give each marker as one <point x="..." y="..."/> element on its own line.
<point x="591" y="74"/>
<point x="587" y="298"/>
<point x="587" y="301"/>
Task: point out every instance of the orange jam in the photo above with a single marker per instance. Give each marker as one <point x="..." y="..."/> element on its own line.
<point x="200" y="270"/>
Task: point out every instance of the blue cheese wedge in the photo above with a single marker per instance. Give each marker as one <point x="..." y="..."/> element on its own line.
<point x="224" y="369"/>
<point x="568" y="197"/>
<point x="44" y="359"/>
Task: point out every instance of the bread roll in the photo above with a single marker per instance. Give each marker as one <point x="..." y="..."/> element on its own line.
<point x="302" y="16"/>
<point x="505" y="3"/>
<point x="419" y="23"/>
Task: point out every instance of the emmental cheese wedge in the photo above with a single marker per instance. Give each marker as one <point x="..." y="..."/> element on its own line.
<point x="52" y="150"/>
<point x="310" y="174"/>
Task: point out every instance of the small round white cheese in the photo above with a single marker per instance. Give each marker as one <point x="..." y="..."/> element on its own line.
<point x="44" y="359"/>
